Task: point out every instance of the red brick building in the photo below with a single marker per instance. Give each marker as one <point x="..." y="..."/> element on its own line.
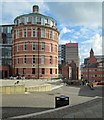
<point x="70" y="71"/>
<point x="35" y="46"/>
<point x="93" y="70"/>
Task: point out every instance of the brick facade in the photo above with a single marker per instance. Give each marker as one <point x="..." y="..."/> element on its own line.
<point x="45" y="68"/>
<point x="93" y="70"/>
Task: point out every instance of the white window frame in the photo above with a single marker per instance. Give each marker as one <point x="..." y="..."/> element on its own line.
<point x="33" y="45"/>
<point x="24" y="33"/>
<point x="43" y="46"/>
<point x="17" y="59"/>
<point x="43" y="33"/>
<point x="33" y="59"/>
<point x="24" y="59"/>
<point x="42" y="59"/>
<point x="24" y="46"/>
<point x="50" y="47"/>
<point x="17" y="47"/>
<point x="33" y="32"/>
<point x="50" y="34"/>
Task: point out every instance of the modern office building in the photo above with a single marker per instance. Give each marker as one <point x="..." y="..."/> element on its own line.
<point x="5" y="51"/>
<point x="72" y="53"/>
<point x="35" y="46"/>
<point x="93" y="70"/>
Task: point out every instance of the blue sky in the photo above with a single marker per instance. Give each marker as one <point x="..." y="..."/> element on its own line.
<point x="76" y="21"/>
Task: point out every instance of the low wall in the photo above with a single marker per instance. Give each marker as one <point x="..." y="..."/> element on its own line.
<point x="16" y="89"/>
<point x="39" y="88"/>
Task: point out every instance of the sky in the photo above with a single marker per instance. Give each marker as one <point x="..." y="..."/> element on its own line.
<point x="77" y="22"/>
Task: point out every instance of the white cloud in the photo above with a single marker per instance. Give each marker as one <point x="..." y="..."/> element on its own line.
<point x="67" y="41"/>
<point x="64" y="31"/>
<point x="96" y="43"/>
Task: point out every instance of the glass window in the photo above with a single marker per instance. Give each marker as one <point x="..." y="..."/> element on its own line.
<point x="24" y="32"/>
<point x="17" y="33"/>
<point x="29" y="19"/>
<point x="33" y="46"/>
<point x="22" y="20"/>
<point x="17" y="59"/>
<point x="38" y="19"/>
<point x="55" y="36"/>
<point x="24" y="70"/>
<point x="17" y="47"/>
<point x="43" y="33"/>
<point x="50" y="34"/>
<point x="33" y="59"/>
<point x="34" y="20"/>
<point x="33" y="33"/>
<point x="42" y="59"/>
<point x="55" y="48"/>
<point x="50" y="59"/>
<point x="42" y="21"/>
<point x="33" y="70"/>
<point x="43" y="70"/>
<point x="50" y="70"/>
<point x="24" y="59"/>
<point x="55" y="60"/>
<point x="24" y="46"/>
<point x="50" y="47"/>
<point x="43" y="46"/>
<point x="55" y="71"/>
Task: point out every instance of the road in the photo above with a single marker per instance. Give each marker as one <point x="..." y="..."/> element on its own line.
<point x="14" y="105"/>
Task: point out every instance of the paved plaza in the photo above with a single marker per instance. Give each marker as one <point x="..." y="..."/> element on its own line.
<point x="15" y="105"/>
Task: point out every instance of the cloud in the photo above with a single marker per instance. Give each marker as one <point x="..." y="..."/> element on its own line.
<point x="64" y="31"/>
<point x="67" y="41"/>
<point x="77" y="13"/>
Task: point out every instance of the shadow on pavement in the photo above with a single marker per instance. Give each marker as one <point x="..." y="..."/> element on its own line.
<point x="16" y="111"/>
<point x="86" y="91"/>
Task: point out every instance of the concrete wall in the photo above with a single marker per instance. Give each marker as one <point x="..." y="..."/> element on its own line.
<point x="39" y="88"/>
<point x="16" y="89"/>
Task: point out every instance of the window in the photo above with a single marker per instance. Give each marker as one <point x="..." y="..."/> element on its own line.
<point x="42" y="60"/>
<point x="17" y="33"/>
<point x="55" y="60"/>
<point x="42" y="21"/>
<point x="33" y="33"/>
<point x="33" y="70"/>
<point x="55" y="71"/>
<point x="29" y="19"/>
<point x="38" y="19"/>
<point x="50" y="47"/>
<point x="50" y="34"/>
<point x="50" y="70"/>
<point x="50" y="59"/>
<point x="17" y="47"/>
<point x="93" y="75"/>
<point x="89" y="70"/>
<point x="22" y="20"/>
<point x="43" y="33"/>
<point x="24" y="32"/>
<point x="24" y="46"/>
<point x="34" y="20"/>
<point x="93" y="70"/>
<point x="24" y="70"/>
<point x="43" y="70"/>
<point x="33" y="46"/>
<point x="55" y="36"/>
<point x="55" y="48"/>
<point x="24" y="59"/>
<point x="17" y="59"/>
<point x="33" y="59"/>
<point x="43" y="46"/>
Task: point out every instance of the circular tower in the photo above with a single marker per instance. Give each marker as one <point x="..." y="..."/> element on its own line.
<point x="35" y="46"/>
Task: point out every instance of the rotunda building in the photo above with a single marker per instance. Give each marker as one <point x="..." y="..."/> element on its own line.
<point x="35" y="46"/>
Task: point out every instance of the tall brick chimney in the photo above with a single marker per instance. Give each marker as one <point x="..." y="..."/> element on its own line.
<point x="35" y="8"/>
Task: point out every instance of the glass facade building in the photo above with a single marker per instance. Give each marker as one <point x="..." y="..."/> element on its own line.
<point x="5" y="50"/>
